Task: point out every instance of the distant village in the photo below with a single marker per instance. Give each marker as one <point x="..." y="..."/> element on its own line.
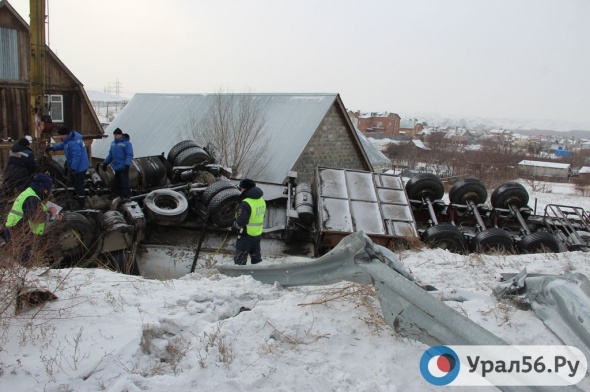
<point x="495" y="154"/>
<point x="411" y="145"/>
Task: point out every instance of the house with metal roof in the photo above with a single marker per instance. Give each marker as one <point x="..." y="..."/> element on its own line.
<point x="65" y="99"/>
<point x="305" y="130"/>
<point x="540" y="169"/>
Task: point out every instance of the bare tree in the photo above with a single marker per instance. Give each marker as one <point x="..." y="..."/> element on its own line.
<point x="234" y="127"/>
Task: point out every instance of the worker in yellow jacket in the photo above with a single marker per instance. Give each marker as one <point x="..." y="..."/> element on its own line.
<point x="29" y="212"/>
<point x="249" y="223"/>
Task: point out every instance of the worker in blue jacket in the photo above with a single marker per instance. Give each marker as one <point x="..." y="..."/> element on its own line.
<point x="120" y="157"/>
<point x="76" y="160"/>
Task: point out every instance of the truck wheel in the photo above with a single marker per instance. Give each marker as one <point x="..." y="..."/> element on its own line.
<point x="72" y="237"/>
<point x="492" y="240"/>
<point x="57" y="171"/>
<point x="538" y="242"/>
<point x="191" y="156"/>
<point x="510" y="193"/>
<point x="445" y="236"/>
<point x="468" y="189"/>
<point x="425" y="185"/>
<point x="166" y="207"/>
<point x="223" y="206"/>
<point x="214" y="189"/>
<point x="180" y="147"/>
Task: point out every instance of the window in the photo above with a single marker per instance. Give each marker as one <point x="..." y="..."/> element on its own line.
<point x="8" y="54"/>
<point x="56" y="107"/>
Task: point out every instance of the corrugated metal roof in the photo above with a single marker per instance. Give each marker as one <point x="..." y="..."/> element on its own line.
<point x="545" y="164"/>
<point x="156" y="122"/>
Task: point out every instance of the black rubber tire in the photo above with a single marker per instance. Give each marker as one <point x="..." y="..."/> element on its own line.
<point x="510" y="193"/>
<point x="444" y="236"/>
<point x="166" y="207"/>
<point x="538" y="242"/>
<point x="492" y="240"/>
<point x="57" y="171"/>
<point x="118" y="261"/>
<point x="191" y="156"/>
<point x="180" y="147"/>
<point x="425" y="185"/>
<point x="468" y="189"/>
<point x="223" y="206"/>
<point x="72" y="237"/>
<point x="214" y="189"/>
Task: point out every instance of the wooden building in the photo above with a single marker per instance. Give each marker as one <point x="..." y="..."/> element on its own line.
<point x="67" y="101"/>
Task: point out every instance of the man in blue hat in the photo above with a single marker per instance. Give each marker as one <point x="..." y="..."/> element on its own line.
<point x="249" y="223"/>
<point x="120" y="157"/>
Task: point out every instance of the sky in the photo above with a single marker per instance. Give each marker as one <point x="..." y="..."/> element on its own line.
<point x="210" y="332"/>
<point x="502" y="59"/>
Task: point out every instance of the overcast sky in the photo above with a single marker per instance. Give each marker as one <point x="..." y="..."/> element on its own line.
<point x="521" y="59"/>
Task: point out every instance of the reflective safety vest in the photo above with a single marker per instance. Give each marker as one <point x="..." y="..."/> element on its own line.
<point x="254" y="226"/>
<point x="16" y="213"/>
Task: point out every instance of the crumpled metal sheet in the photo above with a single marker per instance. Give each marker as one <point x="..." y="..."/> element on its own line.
<point x="561" y="302"/>
<point x="409" y="309"/>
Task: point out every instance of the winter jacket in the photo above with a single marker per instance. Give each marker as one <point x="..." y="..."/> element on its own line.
<point x="244" y="214"/>
<point x="76" y="155"/>
<point x="20" y="169"/>
<point x="120" y="154"/>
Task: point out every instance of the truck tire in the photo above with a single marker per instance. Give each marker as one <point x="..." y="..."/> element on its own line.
<point x="538" y="242"/>
<point x="166" y="207"/>
<point x="57" y="171"/>
<point x="510" y="193"/>
<point x="73" y="237"/>
<point x="425" y="185"/>
<point x="191" y="156"/>
<point x="445" y="236"/>
<point x="468" y="189"/>
<point x="492" y="240"/>
<point x="223" y="206"/>
<point x="180" y="147"/>
<point x="214" y="189"/>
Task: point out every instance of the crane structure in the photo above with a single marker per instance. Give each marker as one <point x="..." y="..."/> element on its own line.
<point x="37" y="76"/>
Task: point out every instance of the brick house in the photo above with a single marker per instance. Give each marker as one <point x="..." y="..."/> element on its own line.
<point x="378" y="125"/>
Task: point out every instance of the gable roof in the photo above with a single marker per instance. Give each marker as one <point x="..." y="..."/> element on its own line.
<point x="60" y="64"/>
<point x="156" y="122"/>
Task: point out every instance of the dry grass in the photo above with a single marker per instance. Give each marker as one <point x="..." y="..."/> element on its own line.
<point x="362" y="296"/>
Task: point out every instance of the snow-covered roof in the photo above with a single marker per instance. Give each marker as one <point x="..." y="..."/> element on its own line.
<point x="584" y="170"/>
<point x="545" y="164"/>
<point x="418" y="143"/>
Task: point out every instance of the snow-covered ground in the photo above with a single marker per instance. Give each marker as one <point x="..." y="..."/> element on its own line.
<point x="207" y="331"/>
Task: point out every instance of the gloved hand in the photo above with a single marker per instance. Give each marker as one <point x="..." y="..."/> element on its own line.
<point x="48" y="149"/>
<point x="235" y="228"/>
<point x="105" y="166"/>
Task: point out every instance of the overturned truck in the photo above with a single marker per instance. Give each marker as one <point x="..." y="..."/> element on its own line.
<point x="183" y="205"/>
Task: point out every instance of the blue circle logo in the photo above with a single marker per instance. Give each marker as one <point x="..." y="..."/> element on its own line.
<point x="439" y="365"/>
